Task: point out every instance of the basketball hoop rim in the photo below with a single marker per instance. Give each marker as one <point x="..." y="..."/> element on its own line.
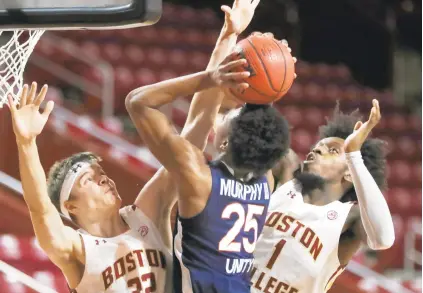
<point x="134" y="14"/>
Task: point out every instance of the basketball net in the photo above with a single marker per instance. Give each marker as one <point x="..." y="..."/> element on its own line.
<point x="14" y="54"/>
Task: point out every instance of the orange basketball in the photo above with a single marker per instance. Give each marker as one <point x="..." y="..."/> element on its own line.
<point x="271" y="66"/>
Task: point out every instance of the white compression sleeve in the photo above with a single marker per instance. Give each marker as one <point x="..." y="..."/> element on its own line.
<point x="375" y="214"/>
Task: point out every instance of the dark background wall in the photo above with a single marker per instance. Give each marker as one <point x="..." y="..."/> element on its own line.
<point x="363" y="34"/>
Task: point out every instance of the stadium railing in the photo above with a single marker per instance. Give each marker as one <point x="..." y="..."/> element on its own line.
<point x="105" y="91"/>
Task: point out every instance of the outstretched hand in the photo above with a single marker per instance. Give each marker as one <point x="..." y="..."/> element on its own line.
<point x="239" y="16"/>
<point x="230" y="101"/>
<point x="282" y="42"/>
<point x="27" y="120"/>
<point x="225" y="76"/>
<point x="362" y="130"/>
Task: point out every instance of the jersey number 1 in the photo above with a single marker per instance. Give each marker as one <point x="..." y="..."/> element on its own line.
<point x="245" y="222"/>
<point x="275" y="254"/>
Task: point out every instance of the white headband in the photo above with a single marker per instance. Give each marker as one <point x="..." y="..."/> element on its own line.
<point x="68" y="183"/>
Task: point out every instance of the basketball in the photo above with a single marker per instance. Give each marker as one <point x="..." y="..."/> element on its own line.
<point x="271" y="67"/>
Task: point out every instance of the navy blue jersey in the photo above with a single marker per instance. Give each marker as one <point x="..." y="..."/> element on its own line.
<point x="213" y="251"/>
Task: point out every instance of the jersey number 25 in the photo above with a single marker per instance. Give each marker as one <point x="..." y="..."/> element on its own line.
<point x="247" y="222"/>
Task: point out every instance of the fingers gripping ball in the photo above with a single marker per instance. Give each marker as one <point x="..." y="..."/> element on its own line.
<point x="271" y="66"/>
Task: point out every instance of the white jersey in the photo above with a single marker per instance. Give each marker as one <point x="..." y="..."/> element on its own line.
<point x="135" y="261"/>
<point x="298" y="248"/>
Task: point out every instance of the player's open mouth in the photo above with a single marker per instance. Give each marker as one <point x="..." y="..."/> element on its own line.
<point x="310" y="158"/>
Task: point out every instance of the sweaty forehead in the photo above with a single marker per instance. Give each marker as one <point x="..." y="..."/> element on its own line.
<point x="95" y="168"/>
<point x="331" y="141"/>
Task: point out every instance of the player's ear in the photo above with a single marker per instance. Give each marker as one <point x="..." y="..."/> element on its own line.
<point x="70" y="206"/>
<point x="224" y="146"/>
<point x="347" y="176"/>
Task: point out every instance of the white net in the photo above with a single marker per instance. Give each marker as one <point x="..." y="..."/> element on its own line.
<point x="15" y="49"/>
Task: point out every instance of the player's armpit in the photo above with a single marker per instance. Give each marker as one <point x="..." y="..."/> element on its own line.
<point x="156" y="200"/>
<point x="354" y="224"/>
<point x="352" y="237"/>
<point x="176" y="154"/>
<point x="62" y="244"/>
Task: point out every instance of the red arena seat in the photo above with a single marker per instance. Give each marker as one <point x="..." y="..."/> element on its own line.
<point x="46" y="48"/>
<point x="322" y="71"/>
<point x="332" y="92"/>
<point x="397" y="123"/>
<point x="93" y="74"/>
<point x="134" y="55"/>
<point x="416" y="123"/>
<point x="417" y="173"/>
<point x="313" y="117"/>
<point x="301" y="140"/>
<point x="169" y="35"/>
<point x="208" y="17"/>
<point x="145" y="76"/>
<point x="178" y="59"/>
<point x="55" y="95"/>
<point x="303" y="70"/>
<point x="399" y="173"/>
<point x="112" y="53"/>
<point x="406" y="147"/>
<point x="167" y="74"/>
<point x="351" y="93"/>
<point x="91" y="49"/>
<point x="198" y="61"/>
<point x="295" y="93"/>
<point x="157" y="56"/>
<point x="401" y="200"/>
<point x="313" y="91"/>
<point x="292" y="114"/>
<point x="341" y="73"/>
<point x="124" y="80"/>
<point x="193" y="36"/>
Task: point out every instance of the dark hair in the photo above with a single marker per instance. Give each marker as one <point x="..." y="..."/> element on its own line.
<point x="258" y="138"/>
<point x="373" y="150"/>
<point x="58" y="172"/>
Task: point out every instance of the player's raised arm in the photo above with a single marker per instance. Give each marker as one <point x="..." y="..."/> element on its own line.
<point x="175" y="153"/>
<point x="372" y="213"/>
<point x="205" y="104"/>
<point x="62" y="244"/>
<point x="158" y="195"/>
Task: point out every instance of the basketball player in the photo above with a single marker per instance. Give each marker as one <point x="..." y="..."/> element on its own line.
<point x="318" y="220"/>
<point x="126" y="250"/>
<point x="222" y="204"/>
<point x="114" y="250"/>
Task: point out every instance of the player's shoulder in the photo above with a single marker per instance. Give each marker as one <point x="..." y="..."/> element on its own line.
<point x="347" y="205"/>
<point x="288" y="191"/>
<point x="135" y="218"/>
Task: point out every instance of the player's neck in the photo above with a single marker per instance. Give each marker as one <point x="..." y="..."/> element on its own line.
<point x="329" y="193"/>
<point x="241" y="174"/>
<point x="105" y="227"/>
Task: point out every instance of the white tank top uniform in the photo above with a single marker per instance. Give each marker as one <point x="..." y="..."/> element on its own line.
<point x="298" y="248"/>
<point x="136" y="261"/>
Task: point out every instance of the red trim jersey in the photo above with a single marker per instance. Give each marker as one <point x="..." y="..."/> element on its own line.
<point x="298" y="248"/>
<point x="135" y="261"/>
